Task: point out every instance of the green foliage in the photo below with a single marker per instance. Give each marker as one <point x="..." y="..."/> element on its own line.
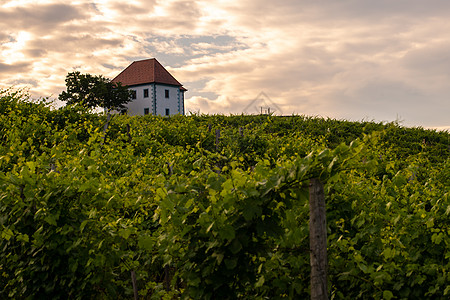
<point x="94" y="91"/>
<point x="81" y="209"/>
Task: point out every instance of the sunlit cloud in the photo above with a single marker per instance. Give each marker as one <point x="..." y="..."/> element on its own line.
<point x="350" y="59"/>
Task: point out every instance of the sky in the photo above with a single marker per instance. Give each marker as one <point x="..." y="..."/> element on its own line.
<point x="358" y="60"/>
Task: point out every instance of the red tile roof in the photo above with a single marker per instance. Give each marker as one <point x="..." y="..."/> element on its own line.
<point x="146" y="71"/>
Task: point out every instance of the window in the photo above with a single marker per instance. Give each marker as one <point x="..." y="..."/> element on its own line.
<point x="146" y="111"/>
<point x="167" y="111"/>
<point x="133" y="94"/>
<point x="167" y="93"/>
<point x="145" y="93"/>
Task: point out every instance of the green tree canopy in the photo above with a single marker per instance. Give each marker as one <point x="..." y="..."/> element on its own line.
<point x="95" y="91"/>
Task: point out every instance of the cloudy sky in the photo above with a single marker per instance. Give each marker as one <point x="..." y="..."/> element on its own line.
<point x="381" y="60"/>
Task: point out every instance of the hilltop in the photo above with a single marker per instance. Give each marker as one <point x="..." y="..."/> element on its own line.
<point x="213" y="206"/>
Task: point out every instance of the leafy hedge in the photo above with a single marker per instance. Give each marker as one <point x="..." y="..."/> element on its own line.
<point x="82" y="209"/>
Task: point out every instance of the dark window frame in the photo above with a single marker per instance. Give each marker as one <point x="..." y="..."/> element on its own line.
<point x="146" y="111"/>
<point x="166" y="93"/>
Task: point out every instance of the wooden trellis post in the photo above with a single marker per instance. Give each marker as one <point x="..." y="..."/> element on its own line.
<point x="133" y="280"/>
<point x="217" y="139"/>
<point x="167" y="278"/>
<point x="318" y="240"/>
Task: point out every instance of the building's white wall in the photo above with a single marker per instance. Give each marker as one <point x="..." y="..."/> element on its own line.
<point x="175" y="102"/>
<point x="137" y="106"/>
<point x="181" y="102"/>
<point x="162" y="103"/>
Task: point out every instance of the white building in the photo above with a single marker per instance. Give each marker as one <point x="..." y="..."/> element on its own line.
<point x="156" y="91"/>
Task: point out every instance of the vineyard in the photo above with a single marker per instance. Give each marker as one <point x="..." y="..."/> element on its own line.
<point x="216" y="207"/>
